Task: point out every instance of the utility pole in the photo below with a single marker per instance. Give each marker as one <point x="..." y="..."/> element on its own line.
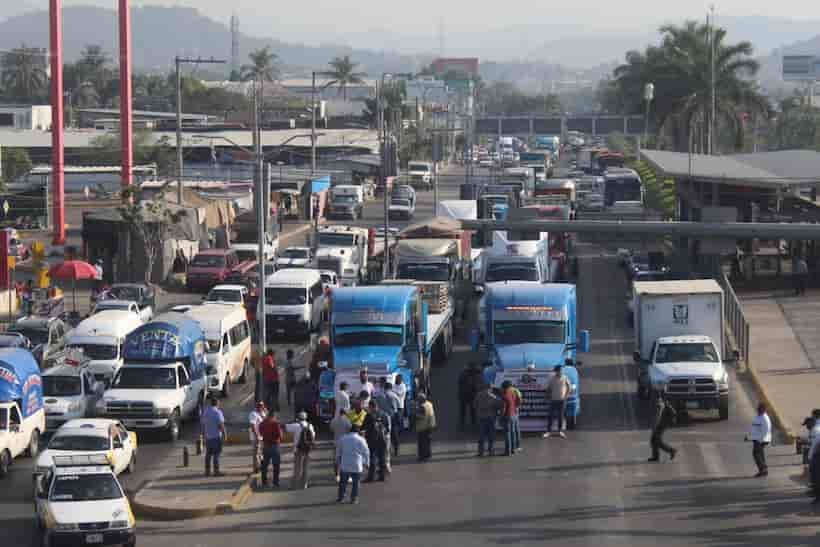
<point x="177" y="62"/>
<point x="262" y="212"/>
<point x="313" y="124"/>
<point x="711" y="137"/>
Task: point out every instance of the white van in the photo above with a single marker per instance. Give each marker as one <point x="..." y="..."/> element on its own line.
<point x="100" y="338"/>
<point x="294" y="301"/>
<point x="228" y="348"/>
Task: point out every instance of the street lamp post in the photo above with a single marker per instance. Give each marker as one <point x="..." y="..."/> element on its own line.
<point x="313" y="123"/>
<point x="648" y="95"/>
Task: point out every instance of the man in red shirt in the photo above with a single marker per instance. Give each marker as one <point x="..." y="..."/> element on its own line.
<point x="271" y="433"/>
<point x="270" y="377"/>
<point x="508" y="416"/>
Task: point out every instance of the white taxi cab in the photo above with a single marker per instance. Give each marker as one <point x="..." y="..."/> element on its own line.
<point x="80" y="502"/>
<point x="92" y="437"/>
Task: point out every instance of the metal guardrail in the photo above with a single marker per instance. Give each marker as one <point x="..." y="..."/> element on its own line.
<point x="734" y="316"/>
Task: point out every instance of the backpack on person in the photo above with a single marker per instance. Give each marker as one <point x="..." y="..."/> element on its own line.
<point x="306" y="439"/>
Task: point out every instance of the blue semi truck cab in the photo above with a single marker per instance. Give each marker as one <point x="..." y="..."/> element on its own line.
<point x="383" y="329"/>
<point x="529" y="329"/>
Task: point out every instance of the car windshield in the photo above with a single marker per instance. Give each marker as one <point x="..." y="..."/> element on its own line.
<point x="61" y="386"/>
<point x="418" y="167"/>
<point x="36" y="336"/>
<point x="344" y="199"/>
<point x="327" y="278"/>
<point x="686" y="352"/>
<point x="369" y="338"/>
<point x="528" y="332"/>
<point x="285" y="296"/>
<point x="330" y="239"/>
<point x="90" y="487"/>
<point x="511" y="272"/>
<point x="9" y="341"/>
<point x="224" y="295"/>
<point x="145" y="378"/>
<point x="80" y="443"/>
<point x="212" y="346"/>
<point x="124" y="293"/>
<point x="98" y="352"/>
<point x="400" y="202"/>
<point x="294" y="253"/>
<point x="424" y="272"/>
<point x="208" y="261"/>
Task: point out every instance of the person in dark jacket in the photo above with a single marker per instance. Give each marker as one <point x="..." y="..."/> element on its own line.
<point x="377" y="435"/>
<point x="664" y="417"/>
<point x="305" y="398"/>
<point x="468" y="383"/>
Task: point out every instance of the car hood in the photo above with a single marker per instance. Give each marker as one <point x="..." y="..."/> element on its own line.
<point x="69" y="512"/>
<point x="689" y="370"/>
<point x="157" y="396"/>
<point x="518" y="356"/>
<point x="358" y="356"/>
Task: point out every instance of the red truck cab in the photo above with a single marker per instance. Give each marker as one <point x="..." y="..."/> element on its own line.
<point x="210" y="267"/>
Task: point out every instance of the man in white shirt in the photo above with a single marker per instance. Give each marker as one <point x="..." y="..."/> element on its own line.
<point x="362" y="384"/>
<point x="400" y="389"/>
<point x="342" y="397"/>
<point x="353" y="457"/>
<point x="304" y="437"/>
<point x="761" y="436"/>
<point x="256" y="416"/>
<point x="558" y="390"/>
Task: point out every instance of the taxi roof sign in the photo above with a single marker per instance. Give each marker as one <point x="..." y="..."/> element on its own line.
<point x="81" y="460"/>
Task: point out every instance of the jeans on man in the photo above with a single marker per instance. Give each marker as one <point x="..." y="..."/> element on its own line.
<point x="378" y="457"/>
<point x="759" y="455"/>
<point x="272" y="395"/>
<point x="271" y="456"/>
<point x="486" y="434"/>
<point x="516" y="429"/>
<point x="213" y="448"/>
<point x="354" y="478"/>
<point x="557" y="409"/>
<point x="425" y="442"/>
<point x="507" y="428"/>
<point x="658" y="444"/>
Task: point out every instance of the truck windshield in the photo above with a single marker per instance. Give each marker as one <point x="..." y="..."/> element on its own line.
<point x="97" y="352"/>
<point x="224" y="295"/>
<point x="80" y="443"/>
<point x="368" y="338"/>
<point x="91" y="487"/>
<point x="681" y="353"/>
<point x="208" y="261"/>
<point x="61" y="386"/>
<point x="294" y="253"/>
<point x="285" y="296"/>
<point x="145" y="378"/>
<point x="212" y="346"/>
<point x="528" y="332"/>
<point x="511" y="272"/>
<point x="419" y="167"/>
<point x="423" y="272"/>
<point x="335" y="240"/>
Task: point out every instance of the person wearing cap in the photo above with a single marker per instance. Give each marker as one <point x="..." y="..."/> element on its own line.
<point x="213" y="429"/>
<point x="558" y="390"/>
<point x="304" y="436"/>
<point x="425" y="424"/>
<point x="487" y="405"/>
<point x="509" y="417"/>
<point x="256" y="416"/>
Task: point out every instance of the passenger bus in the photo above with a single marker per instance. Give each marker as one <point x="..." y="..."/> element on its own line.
<point x="622" y="186"/>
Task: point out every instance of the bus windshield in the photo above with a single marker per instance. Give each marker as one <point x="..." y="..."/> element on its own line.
<point x="622" y="189"/>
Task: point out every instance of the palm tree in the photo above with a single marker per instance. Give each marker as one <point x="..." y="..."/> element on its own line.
<point x="23" y="73"/>
<point x="343" y="74"/>
<point x="264" y="66"/>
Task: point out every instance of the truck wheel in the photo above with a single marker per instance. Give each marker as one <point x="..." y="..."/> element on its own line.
<point x="172" y="432"/>
<point x="723" y="409"/>
<point x="572" y="422"/>
<point x="5" y="463"/>
<point x="33" y="444"/>
<point x="243" y="378"/>
<point x="226" y="387"/>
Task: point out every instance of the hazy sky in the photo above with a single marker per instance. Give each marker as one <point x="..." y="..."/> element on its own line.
<point x="309" y="19"/>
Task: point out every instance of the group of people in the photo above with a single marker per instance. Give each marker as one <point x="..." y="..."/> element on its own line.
<point x="266" y="436"/>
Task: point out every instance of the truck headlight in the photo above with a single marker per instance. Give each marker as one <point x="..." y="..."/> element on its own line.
<point x="65" y="527"/>
<point x="723" y="382"/>
<point x="119" y="524"/>
<point x="163" y="411"/>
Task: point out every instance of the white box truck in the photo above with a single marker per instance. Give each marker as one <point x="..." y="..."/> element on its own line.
<point x="679" y="344"/>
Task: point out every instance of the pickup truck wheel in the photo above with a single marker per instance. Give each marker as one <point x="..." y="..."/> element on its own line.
<point x="33" y="444"/>
<point x="226" y="387"/>
<point x="173" y="427"/>
<point x="723" y="409"/>
<point x="5" y="463"/>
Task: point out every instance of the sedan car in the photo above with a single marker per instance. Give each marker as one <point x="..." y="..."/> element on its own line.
<point x="295" y="257"/>
<point x="140" y="293"/>
<point x="95" y="436"/>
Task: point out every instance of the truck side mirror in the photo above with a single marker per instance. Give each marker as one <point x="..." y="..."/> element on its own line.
<point x="583" y="341"/>
<point x="636" y="356"/>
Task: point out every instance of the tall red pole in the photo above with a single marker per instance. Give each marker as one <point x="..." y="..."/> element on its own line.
<point x="126" y="125"/>
<point x="57" y="153"/>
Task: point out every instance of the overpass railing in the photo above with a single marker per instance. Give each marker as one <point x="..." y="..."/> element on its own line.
<point x="735" y="318"/>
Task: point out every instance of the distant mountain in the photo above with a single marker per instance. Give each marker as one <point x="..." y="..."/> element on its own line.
<point x="160" y="33"/>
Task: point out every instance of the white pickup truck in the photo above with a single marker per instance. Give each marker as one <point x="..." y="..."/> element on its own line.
<point x="22" y="417"/>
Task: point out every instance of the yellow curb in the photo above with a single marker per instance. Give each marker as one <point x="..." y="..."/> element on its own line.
<point x="778" y="418"/>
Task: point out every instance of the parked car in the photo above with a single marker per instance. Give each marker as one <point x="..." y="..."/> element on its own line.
<point x="143" y="295"/>
<point x="47" y="336"/>
<point x="210" y="267"/>
<point x="227" y="294"/>
<point x="87" y="436"/>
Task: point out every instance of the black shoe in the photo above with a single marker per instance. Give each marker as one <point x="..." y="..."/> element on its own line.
<point x="762" y="474"/>
<point x="653" y="459"/>
<point x="672" y="454"/>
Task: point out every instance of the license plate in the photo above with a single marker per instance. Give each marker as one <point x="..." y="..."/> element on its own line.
<point x="94" y="538"/>
<point x="692" y="404"/>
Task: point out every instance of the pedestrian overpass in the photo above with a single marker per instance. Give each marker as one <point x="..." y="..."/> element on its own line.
<point x="530" y="126"/>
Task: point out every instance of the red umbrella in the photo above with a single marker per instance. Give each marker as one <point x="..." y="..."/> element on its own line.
<point x="73" y="270"/>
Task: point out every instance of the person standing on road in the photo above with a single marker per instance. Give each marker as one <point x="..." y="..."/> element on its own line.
<point x="400" y="389"/>
<point x="213" y="428"/>
<point x="814" y="466"/>
<point x="352" y="457"/>
<point x="363" y="384"/>
<point x="517" y="419"/>
<point x="357" y="413"/>
<point x="305" y="398"/>
<point x="467" y="391"/>
<point x="342" y="398"/>
<point x="425" y="424"/>
<point x="271" y="433"/>
<point x="270" y="376"/>
<point x="290" y="375"/>
<point x="760" y="435"/>
<point x="558" y="391"/>
<point x="664" y="417"/>
<point x="390" y="404"/>
<point x="509" y="417"/>
<point x="304" y="437"/>
<point x="377" y="435"/>
<point x="339" y="426"/>
<point x="487" y="405"/>
<point x="801" y="276"/>
<point x="256" y="417"/>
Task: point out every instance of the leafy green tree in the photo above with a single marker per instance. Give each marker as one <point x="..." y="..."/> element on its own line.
<point x="343" y="74"/>
<point x="106" y="150"/>
<point x="16" y="163"/>
<point x="23" y="73"/>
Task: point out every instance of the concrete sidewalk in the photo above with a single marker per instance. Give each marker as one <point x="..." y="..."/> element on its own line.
<point x="784" y="337"/>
